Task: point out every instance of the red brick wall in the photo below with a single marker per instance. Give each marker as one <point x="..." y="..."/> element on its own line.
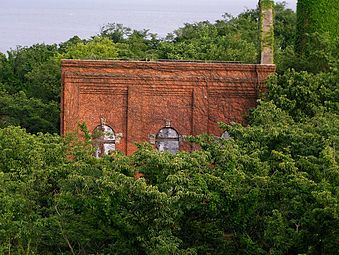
<point x="136" y="97"/>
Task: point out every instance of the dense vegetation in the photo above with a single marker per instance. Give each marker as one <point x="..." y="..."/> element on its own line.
<point x="316" y="16"/>
<point x="270" y="189"/>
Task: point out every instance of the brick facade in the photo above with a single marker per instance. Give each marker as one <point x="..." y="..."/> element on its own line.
<point x="138" y="98"/>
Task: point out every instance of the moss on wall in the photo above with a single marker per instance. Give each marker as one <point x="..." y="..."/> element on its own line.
<point x="316" y="16"/>
<point x="266" y="36"/>
<point x="265" y="4"/>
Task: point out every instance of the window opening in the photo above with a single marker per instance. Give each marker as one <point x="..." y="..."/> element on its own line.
<point x="104" y="140"/>
<point x="168" y="140"/>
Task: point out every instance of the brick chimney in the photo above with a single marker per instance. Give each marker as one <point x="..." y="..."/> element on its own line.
<point x="266" y="29"/>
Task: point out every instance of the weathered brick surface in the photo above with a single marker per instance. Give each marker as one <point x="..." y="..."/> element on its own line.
<point x="136" y="98"/>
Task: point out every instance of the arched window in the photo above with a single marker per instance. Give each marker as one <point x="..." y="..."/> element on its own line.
<point x="167" y="139"/>
<point x="103" y="140"/>
<point x="225" y="135"/>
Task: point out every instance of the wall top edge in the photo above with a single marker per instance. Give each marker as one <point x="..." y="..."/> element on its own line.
<point x="76" y="63"/>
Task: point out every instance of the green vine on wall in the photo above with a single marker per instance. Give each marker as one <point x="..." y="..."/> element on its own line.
<point x="266" y="38"/>
<point x="320" y="16"/>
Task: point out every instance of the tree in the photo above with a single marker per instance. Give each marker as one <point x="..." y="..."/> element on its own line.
<point x="206" y="41"/>
<point x="303" y="94"/>
<point x="118" y="33"/>
<point x="230" y="39"/>
<point x="97" y="48"/>
<point x="30" y="113"/>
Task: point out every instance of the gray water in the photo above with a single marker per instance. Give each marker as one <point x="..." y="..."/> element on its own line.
<point x="26" y="22"/>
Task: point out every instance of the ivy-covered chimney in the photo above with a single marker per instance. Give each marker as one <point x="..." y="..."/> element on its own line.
<point x="266" y="39"/>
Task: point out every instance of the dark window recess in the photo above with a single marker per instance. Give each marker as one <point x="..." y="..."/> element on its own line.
<point x="103" y="140"/>
<point x="167" y="140"/>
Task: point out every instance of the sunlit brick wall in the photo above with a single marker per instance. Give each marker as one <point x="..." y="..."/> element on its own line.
<point x="139" y="98"/>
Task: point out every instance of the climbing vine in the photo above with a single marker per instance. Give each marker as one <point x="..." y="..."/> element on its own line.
<point x="266" y="38"/>
<point x="316" y="16"/>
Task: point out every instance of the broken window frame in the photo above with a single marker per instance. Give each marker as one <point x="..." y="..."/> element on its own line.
<point x="159" y="139"/>
<point x="106" y="138"/>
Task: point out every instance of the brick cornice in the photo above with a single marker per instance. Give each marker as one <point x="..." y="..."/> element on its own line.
<point x="164" y="65"/>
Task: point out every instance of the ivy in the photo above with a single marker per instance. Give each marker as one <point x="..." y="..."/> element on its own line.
<point x="316" y="16"/>
<point x="267" y="38"/>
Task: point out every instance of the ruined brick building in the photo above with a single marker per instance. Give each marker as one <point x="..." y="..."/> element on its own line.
<point x="159" y="101"/>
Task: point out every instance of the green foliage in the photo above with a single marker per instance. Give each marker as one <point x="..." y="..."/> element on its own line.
<point x="30" y="113"/>
<point x="54" y="201"/>
<point x="284" y="27"/>
<point x="69" y="43"/>
<point x="230" y="39"/>
<point x="19" y="68"/>
<point x="270" y="189"/>
<point x="28" y="176"/>
<point x="29" y="97"/>
<point x="319" y="56"/>
<point x="97" y="48"/>
<point x="132" y="44"/>
<point x="316" y="16"/>
<point x="303" y="94"/>
<point x="140" y="45"/>
<point x="116" y="32"/>
<point x="43" y="82"/>
<point x="221" y="41"/>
